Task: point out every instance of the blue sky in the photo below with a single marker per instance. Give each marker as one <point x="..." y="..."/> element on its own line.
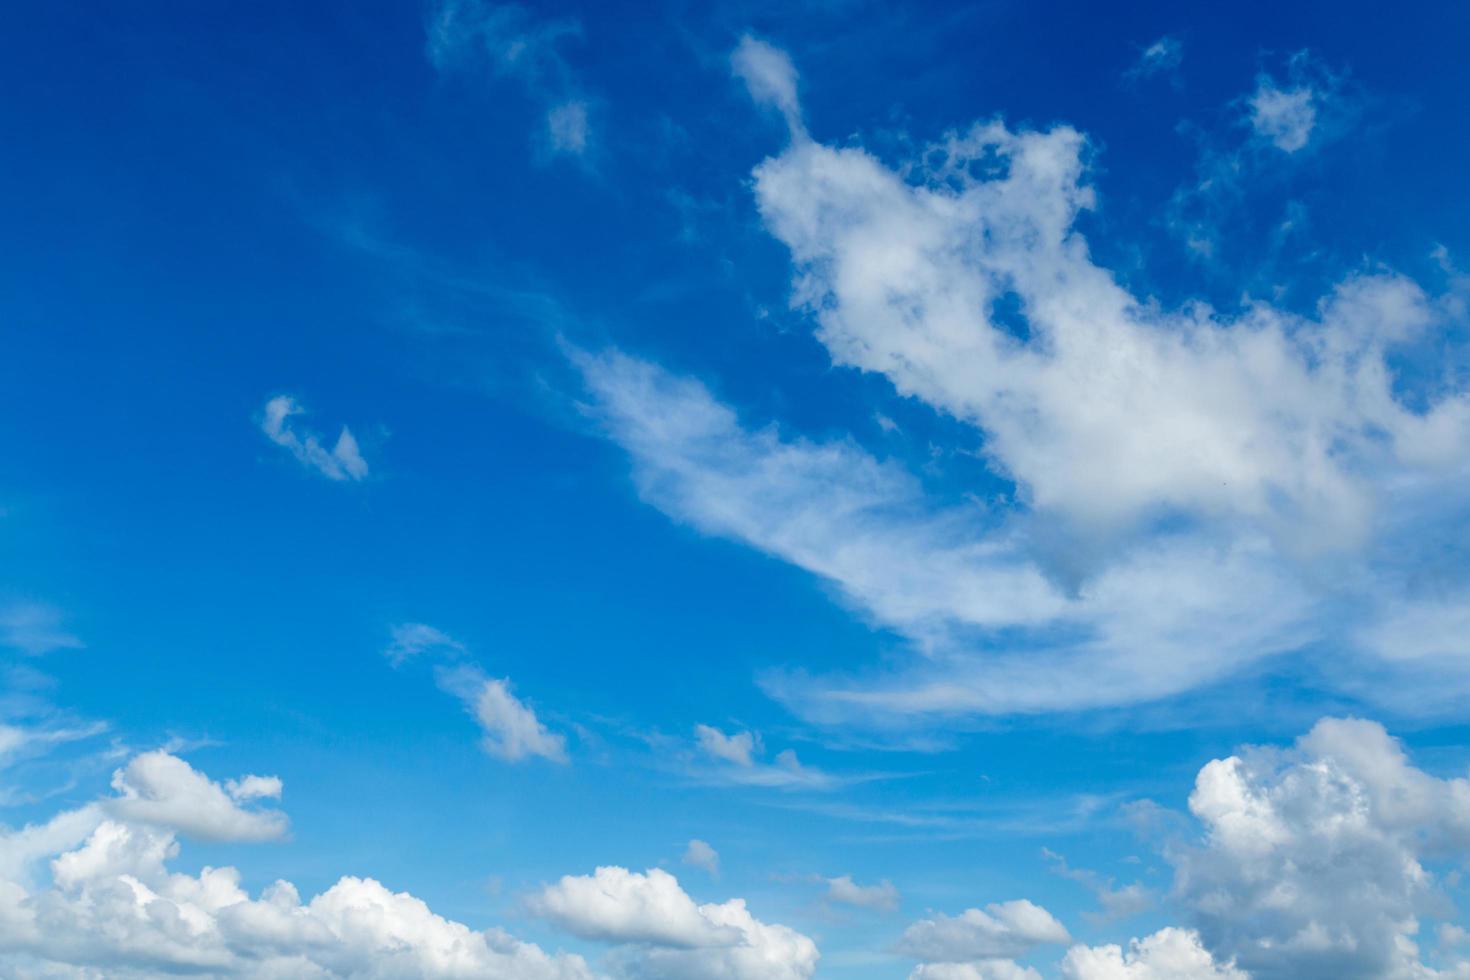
<point x="961" y="492"/>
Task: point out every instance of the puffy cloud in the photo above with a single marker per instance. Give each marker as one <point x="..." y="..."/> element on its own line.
<point x="1169" y="954"/>
<point x="882" y="896"/>
<point x="770" y="77"/>
<point x="1001" y="931"/>
<point x="162" y="789"/>
<point x="622" y="906"/>
<point x="979" y="970"/>
<point x="700" y="855"/>
<point x="1312" y="862"/>
<point x="662" y="933"/>
<point x="511" y="729"/>
<point x="342" y="462"/>
<point x="113" y="908"/>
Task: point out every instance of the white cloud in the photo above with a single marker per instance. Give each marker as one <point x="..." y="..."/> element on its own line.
<point x="769" y="77"/>
<point x="621" y="906"/>
<point x="700" y="854"/>
<point x="883" y="896"/>
<point x="1167" y="617"/>
<point x="19" y="741"/>
<point x="1283" y="116"/>
<point x="738" y="757"/>
<point x="1169" y="954"/>
<point x="663" y="935"/>
<point x="409" y="640"/>
<point x="1313" y="860"/>
<point x="342" y="462"/>
<point x="737" y="749"/>
<point x="162" y="789"/>
<point x="1194" y="491"/>
<point x="1002" y="930"/>
<point x="112" y="906"/>
<point x="35" y="629"/>
<point x="979" y="970"/>
<point x="511" y="729"/>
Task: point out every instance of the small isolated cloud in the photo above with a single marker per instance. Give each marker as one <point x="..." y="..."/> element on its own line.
<point x="739" y="758"/>
<point x="1002" y="930"/>
<point x="409" y="640"/>
<point x="700" y="855"/>
<point x="35" y="629"/>
<point x="1285" y="117"/>
<point x="738" y="749"/>
<point x="769" y="77"/>
<point x="1163" y="57"/>
<point x="163" y="790"/>
<point x="662" y="934"/>
<point x="342" y="462"/>
<point x="512" y="731"/>
<point x="882" y="897"/>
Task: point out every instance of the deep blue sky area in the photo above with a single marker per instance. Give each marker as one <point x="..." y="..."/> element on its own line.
<point x="518" y="428"/>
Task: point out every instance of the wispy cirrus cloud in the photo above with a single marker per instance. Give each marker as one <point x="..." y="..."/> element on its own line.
<point x="512" y="42"/>
<point x="342" y="463"/>
<point x="34" y="628"/>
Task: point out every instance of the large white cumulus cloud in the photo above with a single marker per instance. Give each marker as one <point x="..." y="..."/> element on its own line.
<point x="1316" y="861"/>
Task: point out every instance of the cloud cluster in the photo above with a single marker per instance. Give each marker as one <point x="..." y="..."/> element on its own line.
<point x="91" y="890"/>
<point x="1193" y="490"/>
<point x="1313" y="862"/>
<point x="113" y="906"/>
